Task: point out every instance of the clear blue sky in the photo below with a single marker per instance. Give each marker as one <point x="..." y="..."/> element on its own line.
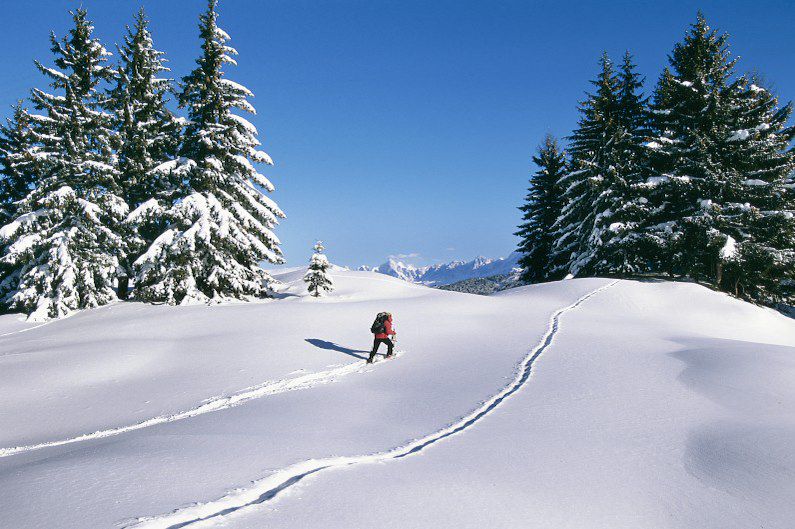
<point x="406" y="127"/>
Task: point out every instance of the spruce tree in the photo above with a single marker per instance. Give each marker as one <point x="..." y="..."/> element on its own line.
<point x="719" y="161"/>
<point x="148" y="133"/>
<point x="220" y="232"/>
<point x="757" y="260"/>
<point x="17" y="156"/>
<point x="147" y="137"/>
<point x="591" y="173"/>
<point x="620" y="208"/>
<point x="317" y="278"/>
<point x="63" y="247"/>
<point x="541" y="209"/>
<point x="691" y="120"/>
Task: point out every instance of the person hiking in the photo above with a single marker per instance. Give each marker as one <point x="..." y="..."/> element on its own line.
<point x="382" y="329"/>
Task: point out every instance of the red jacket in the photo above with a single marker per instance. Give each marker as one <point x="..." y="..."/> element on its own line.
<point x="387" y="328"/>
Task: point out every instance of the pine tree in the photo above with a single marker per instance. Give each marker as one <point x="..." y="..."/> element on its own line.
<point x="17" y="152"/>
<point x="591" y="173"/>
<point x="147" y="137"/>
<point x="719" y="161"/>
<point x="620" y="208"/>
<point x="317" y="278"/>
<point x="63" y="247"/>
<point x="222" y="230"/>
<point x="690" y="123"/>
<point x="757" y="260"/>
<point x="541" y="208"/>
<point x="148" y="133"/>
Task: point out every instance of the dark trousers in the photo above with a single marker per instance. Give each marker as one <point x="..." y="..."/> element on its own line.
<point x="377" y="343"/>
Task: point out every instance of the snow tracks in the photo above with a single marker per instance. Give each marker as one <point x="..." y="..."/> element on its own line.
<point x="268" y="488"/>
<point x="213" y="404"/>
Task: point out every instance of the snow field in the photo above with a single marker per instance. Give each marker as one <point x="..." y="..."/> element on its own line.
<point x="654" y="405"/>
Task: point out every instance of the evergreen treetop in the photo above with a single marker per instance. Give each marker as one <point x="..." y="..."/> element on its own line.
<point x="541" y="209"/>
<point x="590" y="172"/>
<point x="148" y="133"/>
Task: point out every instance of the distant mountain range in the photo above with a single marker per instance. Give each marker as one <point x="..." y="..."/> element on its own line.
<point x="448" y="273"/>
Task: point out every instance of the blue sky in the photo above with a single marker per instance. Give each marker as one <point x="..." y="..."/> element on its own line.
<point x="406" y="127"/>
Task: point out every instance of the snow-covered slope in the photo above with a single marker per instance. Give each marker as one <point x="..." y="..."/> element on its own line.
<point x="447" y="273"/>
<point x="584" y="403"/>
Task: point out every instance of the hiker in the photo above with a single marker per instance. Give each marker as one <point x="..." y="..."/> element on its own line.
<point x="382" y="329"/>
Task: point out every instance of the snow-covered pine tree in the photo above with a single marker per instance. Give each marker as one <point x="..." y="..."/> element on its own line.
<point x="691" y="120"/>
<point x="148" y="132"/>
<point x="591" y="172"/>
<point x="17" y="176"/>
<point x="63" y="247"/>
<point x="757" y="260"/>
<point x="222" y="230"/>
<point x="720" y="160"/>
<point x="317" y="278"/>
<point x="17" y="151"/>
<point x="147" y="136"/>
<point x="620" y="208"/>
<point x="541" y="208"/>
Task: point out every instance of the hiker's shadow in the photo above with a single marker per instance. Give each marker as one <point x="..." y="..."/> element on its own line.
<point x="331" y="346"/>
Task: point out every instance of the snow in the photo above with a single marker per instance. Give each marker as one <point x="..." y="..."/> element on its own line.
<point x="583" y="403"/>
<point x="24" y="220"/>
<point x="755" y="182"/>
<point x="742" y="134"/>
<point x="55" y="73"/>
<point x="654" y="181"/>
<point x="237" y="87"/>
<point x="221" y="34"/>
<point x="151" y="206"/>
<point x="729" y="249"/>
<point x="243" y="122"/>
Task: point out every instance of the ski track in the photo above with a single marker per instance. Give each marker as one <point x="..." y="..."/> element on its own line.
<point x="211" y="405"/>
<point x="268" y="488"/>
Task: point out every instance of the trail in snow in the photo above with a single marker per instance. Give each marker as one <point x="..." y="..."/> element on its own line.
<point x="268" y="488"/>
<point x="213" y="404"/>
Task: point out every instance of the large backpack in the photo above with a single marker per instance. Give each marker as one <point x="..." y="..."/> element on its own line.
<point x="379" y="325"/>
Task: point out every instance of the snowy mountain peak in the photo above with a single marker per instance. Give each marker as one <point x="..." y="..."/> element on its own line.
<point x="447" y="273"/>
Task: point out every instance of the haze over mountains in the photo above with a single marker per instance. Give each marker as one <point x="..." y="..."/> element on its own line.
<point x="447" y="273"/>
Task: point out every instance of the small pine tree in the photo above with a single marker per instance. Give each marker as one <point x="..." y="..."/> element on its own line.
<point x="63" y="248"/>
<point x="317" y="278"/>
<point x="541" y="208"/>
<point x="220" y="232"/>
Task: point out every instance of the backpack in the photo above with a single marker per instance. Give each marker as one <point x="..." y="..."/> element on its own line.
<point x="378" y="326"/>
